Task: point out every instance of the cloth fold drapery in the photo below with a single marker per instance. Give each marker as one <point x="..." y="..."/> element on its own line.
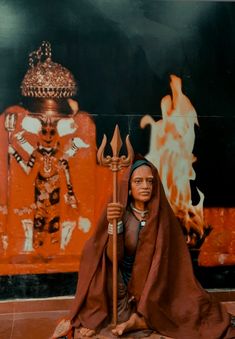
<point x="162" y="282"/>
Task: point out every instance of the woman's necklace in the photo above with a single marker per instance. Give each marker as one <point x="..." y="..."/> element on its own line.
<point x="142" y="213"/>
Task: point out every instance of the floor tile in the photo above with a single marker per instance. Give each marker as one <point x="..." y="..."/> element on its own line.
<point x="6" y="327"/>
<point x="36" y="325"/>
<point x="37" y="319"/>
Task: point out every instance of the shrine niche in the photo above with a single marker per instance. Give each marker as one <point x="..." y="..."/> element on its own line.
<point x="48" y="172"/>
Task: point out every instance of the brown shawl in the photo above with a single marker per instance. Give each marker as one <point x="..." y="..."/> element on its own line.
<point x="168" y="296"/>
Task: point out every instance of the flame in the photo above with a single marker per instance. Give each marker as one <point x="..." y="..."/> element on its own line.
<point x="171" y="145"/>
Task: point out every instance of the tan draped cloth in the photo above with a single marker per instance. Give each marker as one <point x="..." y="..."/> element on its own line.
<point x="162" y="283"/>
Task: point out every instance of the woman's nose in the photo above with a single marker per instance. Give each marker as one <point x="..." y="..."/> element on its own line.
<point x="145" y="184"/>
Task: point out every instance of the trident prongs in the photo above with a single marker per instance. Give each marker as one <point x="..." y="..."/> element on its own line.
<point x="10" y="122"/>
<point x="102" y="160"/>
<point x="115" y="162"/>
<point x="127" y="160"/>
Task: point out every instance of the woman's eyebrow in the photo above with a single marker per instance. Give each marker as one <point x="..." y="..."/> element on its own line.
<point x="149" y="177"/>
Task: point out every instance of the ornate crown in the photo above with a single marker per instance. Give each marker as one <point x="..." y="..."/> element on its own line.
<point x="47" y="79"/>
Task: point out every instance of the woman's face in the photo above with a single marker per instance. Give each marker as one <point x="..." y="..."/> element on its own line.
<point x="141" y="184"/>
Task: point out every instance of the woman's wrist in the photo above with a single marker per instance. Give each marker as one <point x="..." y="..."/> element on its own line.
<point x="119" y="228"/>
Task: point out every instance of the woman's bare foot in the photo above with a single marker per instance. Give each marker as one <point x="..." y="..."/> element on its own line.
<point x="86" y="332"/>
<point x="135" y="322"/>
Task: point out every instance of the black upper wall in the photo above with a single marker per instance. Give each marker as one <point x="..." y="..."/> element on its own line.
<point x="122" y="53"/>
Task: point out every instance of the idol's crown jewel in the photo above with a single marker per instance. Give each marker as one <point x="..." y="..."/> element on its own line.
<point x="45" y="78"/>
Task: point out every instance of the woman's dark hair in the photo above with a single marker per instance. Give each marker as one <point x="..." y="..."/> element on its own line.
<point x="137" y="164"/>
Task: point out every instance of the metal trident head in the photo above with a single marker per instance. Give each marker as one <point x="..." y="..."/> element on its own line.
<point x="10" y="122"/>
<point x="115" y="162"/>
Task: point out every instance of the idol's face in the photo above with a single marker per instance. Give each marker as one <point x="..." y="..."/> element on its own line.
<point x="141" y="184"/>
<point x="48" y="136"/>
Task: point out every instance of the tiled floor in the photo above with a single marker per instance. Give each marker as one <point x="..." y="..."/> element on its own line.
<point x="31" y="319"/>
<point x="36" y="319"/>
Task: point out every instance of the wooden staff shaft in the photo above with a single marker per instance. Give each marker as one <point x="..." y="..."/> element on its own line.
<point x="115" y="261"/>
<point x="115" y="163"/>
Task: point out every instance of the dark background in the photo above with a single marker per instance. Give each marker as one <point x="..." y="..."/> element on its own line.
<point x="122" y="53"/>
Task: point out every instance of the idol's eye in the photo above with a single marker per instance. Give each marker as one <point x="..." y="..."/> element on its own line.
<point x="44" y="131"/>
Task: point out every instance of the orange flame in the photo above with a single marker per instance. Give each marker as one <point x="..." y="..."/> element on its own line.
<point x="171" y="145"/>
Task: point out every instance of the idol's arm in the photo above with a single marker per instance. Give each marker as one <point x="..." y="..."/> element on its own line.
<point x="26" y="166"/>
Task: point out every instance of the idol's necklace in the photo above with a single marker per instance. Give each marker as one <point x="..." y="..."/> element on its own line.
<point x="142" y="213"/>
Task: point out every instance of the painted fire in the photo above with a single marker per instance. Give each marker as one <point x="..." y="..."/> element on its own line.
<point x="171" y="146"/>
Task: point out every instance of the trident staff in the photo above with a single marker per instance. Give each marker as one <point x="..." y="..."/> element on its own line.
<point x="115" y="163"/>
<point x="10" y="125"/>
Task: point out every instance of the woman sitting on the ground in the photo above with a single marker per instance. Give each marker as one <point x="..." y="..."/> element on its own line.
<point x="157" y="290"/>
